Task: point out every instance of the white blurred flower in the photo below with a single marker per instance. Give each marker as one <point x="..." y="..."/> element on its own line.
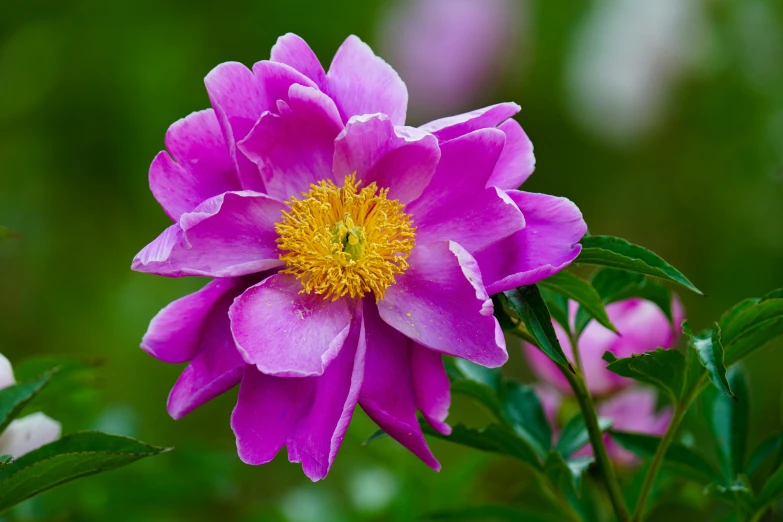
<point x="626" y="57"/>
<point x="450" y="52"/>
<point x="28" y="433"/>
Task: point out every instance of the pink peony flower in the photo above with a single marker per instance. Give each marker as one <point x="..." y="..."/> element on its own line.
<point x="348" y="251"/>
<point x="642" y="326"/>
<point x="27" y="433"/>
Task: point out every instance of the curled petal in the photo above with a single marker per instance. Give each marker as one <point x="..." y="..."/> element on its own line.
<point x="229" y="235"/>
<point x="517" y="161"/>
<point x="455" y="126"/>
<point x="440" y="302"/>
<point x="548" y="243"/>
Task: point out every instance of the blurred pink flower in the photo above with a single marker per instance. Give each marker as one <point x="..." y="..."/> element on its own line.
<point x="450" y="52"/>
<point x="642" y="326"/>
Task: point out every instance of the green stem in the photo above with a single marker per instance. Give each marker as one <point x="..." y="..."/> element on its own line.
<point x="679" y="412"/>
<point x="657" y="461"/>
<point x="585" y="400"/>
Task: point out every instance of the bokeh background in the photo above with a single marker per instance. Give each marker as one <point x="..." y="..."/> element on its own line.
<point x="662" y="119"/>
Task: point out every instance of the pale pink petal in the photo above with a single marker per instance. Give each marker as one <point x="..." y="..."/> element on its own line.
<point x="440" y="302"/>
<point x="29" y="433"/>
<point x="288" y="333"/>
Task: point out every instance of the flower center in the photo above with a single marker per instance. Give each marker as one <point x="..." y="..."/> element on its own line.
<point x="345" y="241"/>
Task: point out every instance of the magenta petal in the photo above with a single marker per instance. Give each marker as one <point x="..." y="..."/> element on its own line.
<point x="402" y="159"/>
<point x="310" y="415"/>
<point x="440" y="302"/>
<point x="433" y="391"/>
<point x="292" y="50"/>
<point x="175" y="333"/>
<point x="216" y="368"/>
<point x="295" y="148"/>
<point x="456" y="205"/>
<point x="388" y="393"/>
<point x="238" y="101"/>
<point x="548" y="243"/>
<point x="288" y="333"/>
<point x="455" y="126"/>
<point x="276" y="79"/>
<point x="226" y="236"/>
<point x="517" y="162"/>
<point x="362" y="83"/>
<point x="201" y="166"/>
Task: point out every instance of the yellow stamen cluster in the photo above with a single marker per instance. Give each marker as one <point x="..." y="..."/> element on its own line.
<point x="345" y="241"/>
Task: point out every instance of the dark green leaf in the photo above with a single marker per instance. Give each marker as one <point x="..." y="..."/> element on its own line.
<point x="522" y="411"/>
<point x="619" y="253"/>
<point x="494" y="438"/>
<point x="499" y="305"/>
<point x="480" y="383"/>
<point x="728" y="420"/>
<point x="662" y="368"/>
<point x="750" y="324"/>
<point x="377" y="434"/>
<point x="773" y="489"/>
<point x="526" y="301"/>
<point x="566" y="476"/>
<point x="579" y="290"/>
<point x="74" y="456"/>
<point x="558" y="307"/>
<point x="682" y="459"/>
<point x="489" y="513"/>
<point x="574" y="435"/>
<point x="709" y="347"/>
<point x="762" y="453"/>
<point x="5" y="460"/>
<point x="14" y="398"/>
<point x="615" y="285"/>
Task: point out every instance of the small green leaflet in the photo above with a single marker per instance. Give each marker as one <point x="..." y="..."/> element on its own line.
<point x="710" y="350"/>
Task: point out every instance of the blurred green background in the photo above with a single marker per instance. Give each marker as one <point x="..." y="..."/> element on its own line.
<point x="666" y="128"/>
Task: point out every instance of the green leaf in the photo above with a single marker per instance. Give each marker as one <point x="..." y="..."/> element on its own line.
<point x="662" y="368"/>
<point x="14" y="398"/>
<point x="526" y="301"/>
<point x="773" y="489"/>
<point x="710" y="350"/>
<point x="619" y="253"/>
<point x="566" y="475"/>
<point x="490" y="512"/>
<point x="682" y="459"/>
<point x="762" y="453"/>
<point x="579" y="290"/>
<point x="558" y="307"/>
<point x="574" y="435"/>
<point x="728" y="421"/>
<point x="74" y="456"/>
<point x="377" y="434"/>
<point x="477" y="382"/>
<point x="494" y="438"/>
<point x="750" y="324"/>
<point x="523" y="412"/>
<point x="5" y="460"/>
<point x="615" y="285"/>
